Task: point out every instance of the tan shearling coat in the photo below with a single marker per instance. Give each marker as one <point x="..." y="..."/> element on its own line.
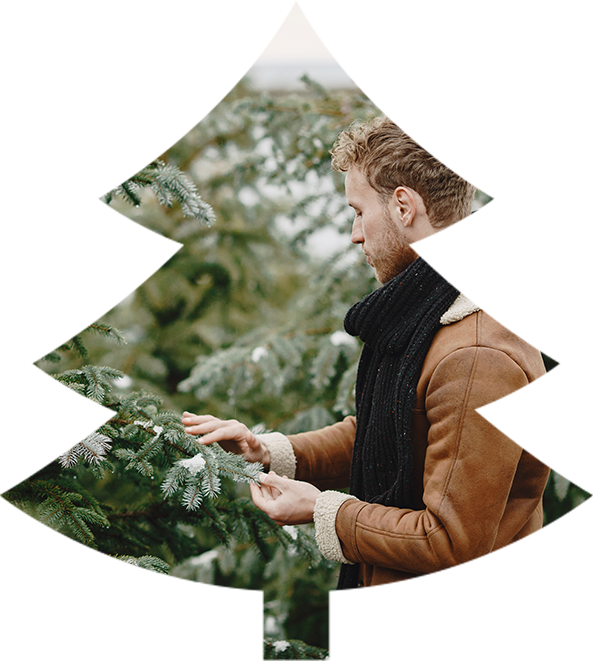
<point x="476" y="490"/>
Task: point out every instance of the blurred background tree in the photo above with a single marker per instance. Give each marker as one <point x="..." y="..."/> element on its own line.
<point x="99" y="493"/>
<point x="245" y="322"/>
<point x="303" y="357"/>
<point x="192" y="289"/>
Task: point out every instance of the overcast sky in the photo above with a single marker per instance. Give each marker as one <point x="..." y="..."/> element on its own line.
<point x="298" y="34"/>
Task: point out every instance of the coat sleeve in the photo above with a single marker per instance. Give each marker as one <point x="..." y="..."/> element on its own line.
<point x="323" y="457"/>
<point x="468" y="473"/>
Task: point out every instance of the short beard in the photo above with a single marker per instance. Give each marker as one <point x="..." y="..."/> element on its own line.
<point x="397" y="257"/>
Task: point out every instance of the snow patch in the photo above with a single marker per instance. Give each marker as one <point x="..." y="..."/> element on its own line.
<point x="271" y="627"/>
<point x="204" y="559"/>
<point x="258" y="353"/>
<point x="341" y="338"/>
<point x="194" y="465"/>
<point x="281" y="645"/>
<point x="123" y="381"/>
<point x="291" y="530"/>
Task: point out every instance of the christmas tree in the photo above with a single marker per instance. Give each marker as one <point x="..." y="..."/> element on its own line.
<point x="102" y="493"/>
<point x="303" y="357"/>
<point x="93" y="486"/>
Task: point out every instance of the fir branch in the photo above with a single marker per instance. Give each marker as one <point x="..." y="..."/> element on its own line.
<point x="169" y="180"/>
<point x="59" y="510"/>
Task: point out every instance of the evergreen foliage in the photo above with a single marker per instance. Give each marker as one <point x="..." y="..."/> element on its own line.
<point x="102" y="492"/>
<point x="193" y="289"/>
<point x="412" y="65"/>
<point x="311" y="383"/>
<point x="94" y="486"/>
<point x="296" y="371"/>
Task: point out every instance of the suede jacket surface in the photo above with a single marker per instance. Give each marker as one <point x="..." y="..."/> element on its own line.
<point x="475" y="489"/>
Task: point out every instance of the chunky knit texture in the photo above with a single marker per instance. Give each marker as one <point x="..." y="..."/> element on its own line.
<point x="397" y="324"/>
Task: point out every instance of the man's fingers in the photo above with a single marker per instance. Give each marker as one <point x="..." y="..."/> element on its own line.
<point x="284" y="500"/>
<point x="193" y="419"/>
<point x="257" y="496"/>
<point x="201" y="430"/>
<point x="229" y="429"/>
<point x="210" y="420"/>
<point x="269" y="493"/>
<point x="233" y="435"/>
<point x="216" y="436"/>
<point x="268" y="505"/>
<point x="232" y="432"/>
<point x="199" y="424"/>
<point x="272" y="479"/>
<point x="269" y="490"/>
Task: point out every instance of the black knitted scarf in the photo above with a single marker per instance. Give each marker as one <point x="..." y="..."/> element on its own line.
<point x="397" y="324"/>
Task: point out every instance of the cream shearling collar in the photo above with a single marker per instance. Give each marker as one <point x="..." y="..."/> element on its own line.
<point x="492" y="286"/>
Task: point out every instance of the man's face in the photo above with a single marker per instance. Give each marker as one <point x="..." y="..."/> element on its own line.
<point x="385" y="246"/>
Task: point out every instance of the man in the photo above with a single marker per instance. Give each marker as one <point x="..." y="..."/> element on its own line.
<point x="432" y="483"/>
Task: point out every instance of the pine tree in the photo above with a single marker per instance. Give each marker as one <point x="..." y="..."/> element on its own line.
<point x="296" y="371"/>
<point x="305" y="344"/>
<point x="300" y="368"/>
<point x="195" y="288"/>
<point x="93" y="486"/>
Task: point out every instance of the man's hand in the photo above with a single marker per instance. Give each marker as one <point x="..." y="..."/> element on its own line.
<point x="285" y="501"/>
<point x="232" y="435"/>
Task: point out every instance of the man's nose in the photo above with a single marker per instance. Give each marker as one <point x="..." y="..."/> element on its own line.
<point x="357" y="236"/>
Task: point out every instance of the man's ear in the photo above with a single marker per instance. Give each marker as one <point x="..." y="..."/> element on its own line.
<point x="405" y="204"/>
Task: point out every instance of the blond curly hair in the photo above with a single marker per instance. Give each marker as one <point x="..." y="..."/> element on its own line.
<point x="389" y="158"/>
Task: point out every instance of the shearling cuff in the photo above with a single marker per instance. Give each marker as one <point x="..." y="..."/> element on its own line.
<point x="282" y="457"/>
<point x="324" y="516"/>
